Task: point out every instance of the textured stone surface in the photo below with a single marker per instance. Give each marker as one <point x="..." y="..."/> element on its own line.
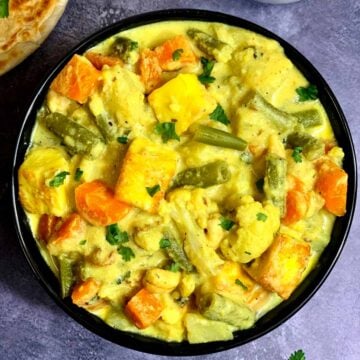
<point x="327" y="327"/>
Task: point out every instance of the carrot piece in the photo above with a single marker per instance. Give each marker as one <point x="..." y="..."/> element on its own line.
<point x="85" y="291"/>
<point x="96" y="203"/>
<point x="331" y="183"/>
<point x="77" y="80"/>
<point x="73" y="227"/>
<point x="297" y="201"/>
<point x="175" y="53"/>
<point x="144" y="308"/>
<point x="47" y="226"/>
<point x="99" y="60"/>
<point x="150" y="70"/>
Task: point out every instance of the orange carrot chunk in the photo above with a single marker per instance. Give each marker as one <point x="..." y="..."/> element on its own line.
<point x="175" y="53"/>
<point x="99" y="60"/>
<point x="73" y="227"/>
<point x="77" y="80"/>
<point x="47" y="226"/>
<point x="96" y="203"/>
<point x="84" y="292"/>
<point x="331" y="183"/>
<point x="144" y="308"/>
<point x="150" y="70"/>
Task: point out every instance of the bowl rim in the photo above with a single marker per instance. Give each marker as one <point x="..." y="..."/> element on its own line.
<point x="279" y="314"/>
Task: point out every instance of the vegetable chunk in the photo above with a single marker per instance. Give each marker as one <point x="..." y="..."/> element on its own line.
<point x="35" y="174"/>
<point x="77" y="80"/>
<point x="145" y="165"/>
<point x="187" y="103"/>
<point x="97" y="205"/>
<point x="280" y="268"/>
<point x="144" y="308"/>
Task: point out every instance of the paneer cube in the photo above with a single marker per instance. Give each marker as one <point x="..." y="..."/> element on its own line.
<point x="183" y="100"/>
<point x="145" y="174"/>
<point x="37" y="195"/>
<point x="280" y="268"/>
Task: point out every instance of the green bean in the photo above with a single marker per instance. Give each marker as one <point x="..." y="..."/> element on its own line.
<point x="216" y="137"/>
<point x="106" y="126"/>
<point x="274" y="181"/>
<point x="77" y="138"/>
<point x="4" y="9"/>
<point x="308" y="118"/>
<point x="212" y="47"/>
<point x="126" y="49"/>
<point x="217" y="307"/>
<point x="214" y="173"/>
<point x="312" y="148"/>
<point x="177" y="253"/>
<point x="66" y="276"/>
<point x="281" y="119"/>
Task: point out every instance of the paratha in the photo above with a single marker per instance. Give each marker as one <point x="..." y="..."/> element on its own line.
<point x="27" y="25"/>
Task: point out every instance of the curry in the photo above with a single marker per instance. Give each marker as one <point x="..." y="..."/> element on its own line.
<point x="182" y="180"/>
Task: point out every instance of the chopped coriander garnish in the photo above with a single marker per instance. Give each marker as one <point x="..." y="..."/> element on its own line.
<point x="226" y="223"/>
<point x="297" y="355"/>
<point x="58" y="179"/>
<point x="219" y="115"/>
<point x="260" y="184"/>
<point x="176" y="55"/>
<point x="174" y="267"/>
<point x="164" y="243"/>
<point x="115" y="236"/>
<point x="126" y="253"/>
<point x="247" y="252"/>
<point x="240" y="283"/>
<point x="122" y="139"/>
<point x="307" y="93"/>
<point x="167" y="131"/>
<point x="208" y="66"/>
<point x="153" y="190"/>
<point x="133" y="45"/>
<point x="296" y="154"/>
<point x="122" y="278"/>
<point x="261" y="216"/>
<point x="82" y="242"/>
<point x="78" y="174"/>
<point x="4" y="8"/>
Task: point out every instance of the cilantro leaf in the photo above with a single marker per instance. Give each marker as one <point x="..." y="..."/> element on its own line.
<point x="167" y="131"/>
<point x="176" y="55"/>
<point x="4" y="8"/>
<point x="115" y="236"/>
<point x="174" y="267"/>
<point x="296" y="154"/>
<point x="78" y="174"/>
<point x="208" y="66"/>
<point x="82" y="242"/>
<point x="153" y="190"/>
<point x="126" y="253"/>
<point x="297" y="355"/>
<point x="226" y="223"/>
<point x="58" y="179"/>
<point x="240" y="283"/>
<point x="247" y="252"/>
<point x="122" y="139"/>
<point x="307" y="93"/>
<point x="219" y="115"/>
<point x="261" y="216"/>
<point x="164" y="243"/>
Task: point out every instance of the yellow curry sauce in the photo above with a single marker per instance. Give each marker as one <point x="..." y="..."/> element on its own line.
<point x="182" y="179"/>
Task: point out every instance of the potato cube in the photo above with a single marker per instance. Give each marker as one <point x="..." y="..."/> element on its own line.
<point x="183" y="99"/>
<point x="280" y="268"/>
<point x="37" y="195"/>
<point x="145" y="174"/>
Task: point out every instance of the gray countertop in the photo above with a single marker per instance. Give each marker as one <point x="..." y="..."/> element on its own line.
<point x="327" y="32"/>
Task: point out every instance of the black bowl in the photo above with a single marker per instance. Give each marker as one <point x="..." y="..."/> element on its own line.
<point x="272" y="319"/>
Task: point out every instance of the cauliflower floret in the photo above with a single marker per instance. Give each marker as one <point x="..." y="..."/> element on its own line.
<point x="257" y="226"/>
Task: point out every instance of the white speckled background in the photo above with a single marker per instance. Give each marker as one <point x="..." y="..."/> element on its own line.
<point x="327" y="32"/>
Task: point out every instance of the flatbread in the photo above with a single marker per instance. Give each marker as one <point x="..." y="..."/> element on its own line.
<point x="27" y="26"/>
